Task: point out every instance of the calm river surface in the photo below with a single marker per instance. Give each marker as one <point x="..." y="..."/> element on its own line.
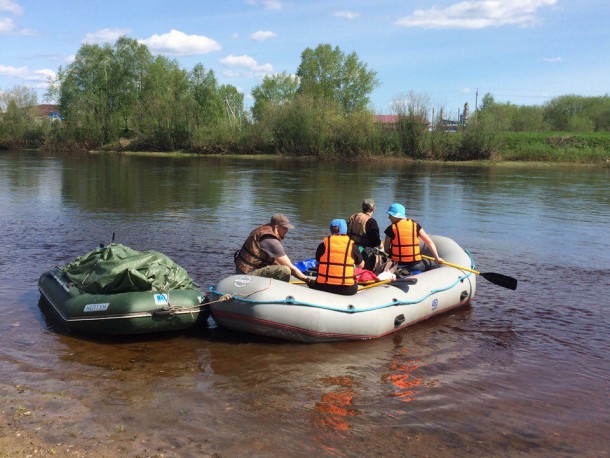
<point x="521" y="372"/>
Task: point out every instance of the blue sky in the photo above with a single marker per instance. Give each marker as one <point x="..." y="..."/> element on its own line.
<point x="522" y="51"/>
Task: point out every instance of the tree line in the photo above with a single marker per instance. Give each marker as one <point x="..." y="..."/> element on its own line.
<point x="121" y="96"/>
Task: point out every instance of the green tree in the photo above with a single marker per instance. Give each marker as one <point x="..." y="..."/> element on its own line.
<point x="328" y="74"/>
<point x="131" y="61"/>
<point x="233" y="102"/>
<point x="18" y="124"/>
<point x="274" y="91"/>
<point x="167" y="106"/>
<point x="86" y="92"/>
<point x="204" y="87"/>
<point x="412" y="126"/>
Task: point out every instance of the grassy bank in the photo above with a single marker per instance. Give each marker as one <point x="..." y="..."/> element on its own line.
<point x="593" y="147"/>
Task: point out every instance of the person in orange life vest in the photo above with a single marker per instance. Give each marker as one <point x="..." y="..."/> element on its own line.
<point x="263" y="255"/>
<point x="402" y="241"/>
<point x="362" y="227"/>
<point x="336" y="257"/>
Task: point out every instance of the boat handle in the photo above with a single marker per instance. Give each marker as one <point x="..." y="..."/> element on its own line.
<point x="62" y="284"/>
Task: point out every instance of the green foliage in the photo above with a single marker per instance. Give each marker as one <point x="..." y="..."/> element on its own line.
<point x="566" y="113"/>
<point x="113" y="92"/>
<point x="412" y="126"/>
<point x="210" y="105"/>
<point x="122" y="97"/>
<point x="272" y="92"/>
<point x="328" y="74"/>
<point x="583" y="113"/>
<point x="554" y="146"/>
<point x="19" y="125"/>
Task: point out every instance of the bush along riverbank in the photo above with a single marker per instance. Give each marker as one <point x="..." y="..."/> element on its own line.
<point x="138" y="101"/>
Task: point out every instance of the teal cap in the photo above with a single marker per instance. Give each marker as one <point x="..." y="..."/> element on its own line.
<point x="341" y="224"/>
<point x="397" y="211"/>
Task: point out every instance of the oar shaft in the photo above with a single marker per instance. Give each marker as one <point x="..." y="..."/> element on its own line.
<point x="453" y="265"/>
<point x="382" y="282"/>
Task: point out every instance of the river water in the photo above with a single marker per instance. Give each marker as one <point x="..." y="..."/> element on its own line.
<point x="522" y="372"/>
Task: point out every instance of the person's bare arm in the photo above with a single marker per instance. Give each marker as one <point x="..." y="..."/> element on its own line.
<point x="430" y="244"/>
<point x="285" y="261"/>
<point x="387" y="243"/>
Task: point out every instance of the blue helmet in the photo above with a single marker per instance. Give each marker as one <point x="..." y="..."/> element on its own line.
<point x="397" y="211"/>
<point x="341" y="224"/>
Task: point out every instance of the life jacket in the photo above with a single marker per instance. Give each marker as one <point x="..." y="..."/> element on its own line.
<point x="251" y="256"/>
<point x="356" y="228"/>
<point x="336" y="265"/>
<point x="405" y="243"/>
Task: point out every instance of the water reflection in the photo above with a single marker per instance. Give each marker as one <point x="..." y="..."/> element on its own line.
<point x="335" y="407"/>
<point x="465" y="372"/>
<point x="402" y="377"/>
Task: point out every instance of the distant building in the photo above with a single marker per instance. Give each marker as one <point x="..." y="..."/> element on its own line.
<point x="48" y="112"/>
<point x="45" y="110"/>
<point x="465" y="114"/>
<point x="387" y="120"/>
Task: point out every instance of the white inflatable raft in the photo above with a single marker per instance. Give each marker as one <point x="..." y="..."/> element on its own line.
<point x="295" y="312"/>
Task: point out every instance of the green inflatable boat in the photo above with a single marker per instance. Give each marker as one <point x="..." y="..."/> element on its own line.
<point x="118" y="290"/>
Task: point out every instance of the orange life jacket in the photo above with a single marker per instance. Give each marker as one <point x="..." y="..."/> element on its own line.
<point x="405" y="242"/>
<point x="336" y="265"/>
<point x="251" y="256"/>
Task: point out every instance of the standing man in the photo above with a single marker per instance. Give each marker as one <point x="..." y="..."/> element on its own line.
<point x="263" y="255"/>
<point x="362" y="227"/>
<point x="402" y="238"/>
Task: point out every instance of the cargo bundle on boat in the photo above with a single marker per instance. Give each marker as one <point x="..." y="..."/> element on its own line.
<point x="117" y="290"/>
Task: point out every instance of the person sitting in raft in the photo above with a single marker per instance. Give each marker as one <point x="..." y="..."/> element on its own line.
<point x="362" y="228"/>
<point x="263" y="255"/>
<point x="402" y="238"/>
<point x="336" y="257"/>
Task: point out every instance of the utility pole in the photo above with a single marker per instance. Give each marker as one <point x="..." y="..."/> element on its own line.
<point x="476" y="102"/>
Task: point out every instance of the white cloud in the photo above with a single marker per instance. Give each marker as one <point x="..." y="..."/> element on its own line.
<point x="24" y="73"/>
<point x="346" y="14"/>
<point x="267" y="4"/>
<point x="477" y="14"/>
<point x="253" y="68"/>
<point x="552" y="59"/>
<point x="262" y="35"/>
<point x="11" y="7"/>
<point x="231" y="74"/>
<point x="176" y="43"/>
<point x="7" y="25"/>
<point x="105" y="36"/>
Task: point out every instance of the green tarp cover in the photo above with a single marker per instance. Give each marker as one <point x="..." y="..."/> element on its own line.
<point x="117" y="268"/>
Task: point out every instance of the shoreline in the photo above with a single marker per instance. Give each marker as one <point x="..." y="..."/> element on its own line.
<point x="495" y="162"/>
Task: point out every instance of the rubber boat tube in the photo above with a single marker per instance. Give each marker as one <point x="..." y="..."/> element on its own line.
<point x="293" y="311"/>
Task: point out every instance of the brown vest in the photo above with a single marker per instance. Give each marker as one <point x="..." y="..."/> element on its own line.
<point x="356" y="228"/>
<point x="251" y="256"/>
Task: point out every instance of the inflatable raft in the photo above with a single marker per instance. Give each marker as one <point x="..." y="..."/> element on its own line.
<point x="116" y="290"/>
<point x="293" y="311"/>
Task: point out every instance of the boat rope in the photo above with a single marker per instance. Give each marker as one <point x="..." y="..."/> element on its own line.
<point x="171" y="310"/>
<point x="226" y="297"/>
<point x="350" y="310"/>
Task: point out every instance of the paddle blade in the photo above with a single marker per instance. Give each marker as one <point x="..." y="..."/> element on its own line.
<point x="500" y="280"/>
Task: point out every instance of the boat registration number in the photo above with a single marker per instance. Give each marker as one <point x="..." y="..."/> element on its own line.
<point x="96" y="307"/>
